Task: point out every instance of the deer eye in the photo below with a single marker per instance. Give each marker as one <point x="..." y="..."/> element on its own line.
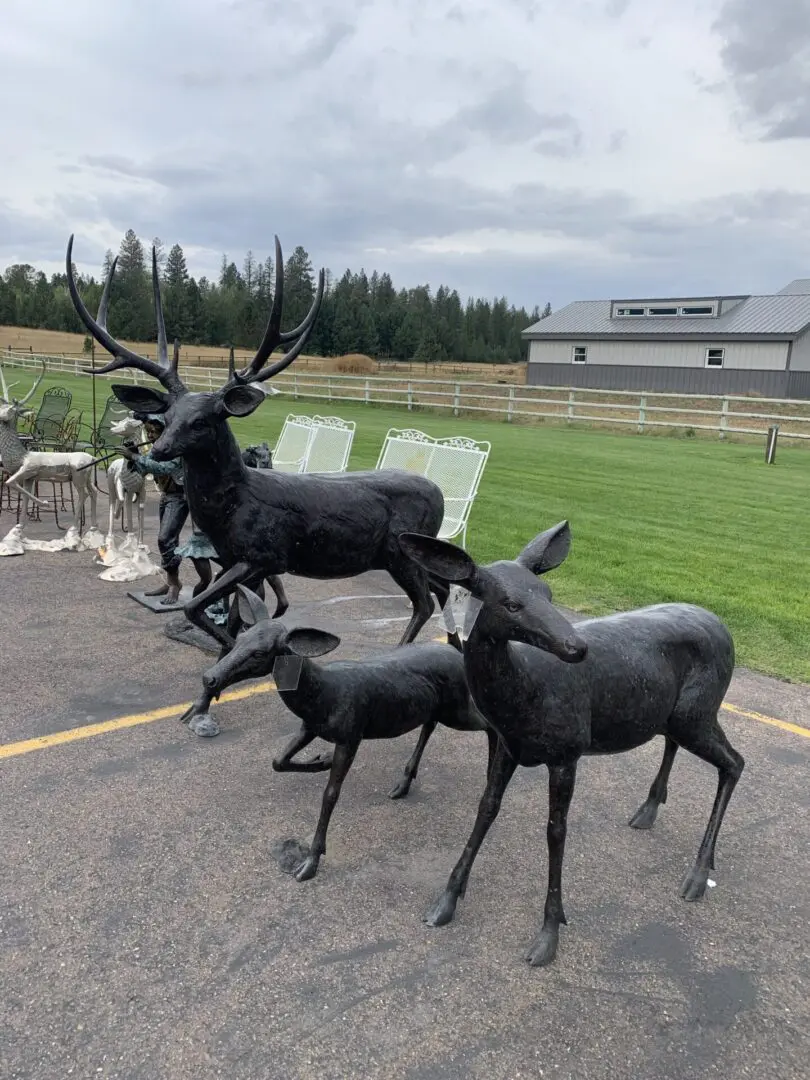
<point x="200" y="423"/>
<point x="512" y="605"/>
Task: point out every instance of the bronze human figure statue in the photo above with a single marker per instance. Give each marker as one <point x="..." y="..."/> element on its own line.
<point x="264" y="523"/>
<point x="555" y="691"/>
<point x="346" y="701"/>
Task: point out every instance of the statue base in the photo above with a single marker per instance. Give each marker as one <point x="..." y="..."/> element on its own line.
<point x="154" y="602"/>
<point x="180" y="629"/>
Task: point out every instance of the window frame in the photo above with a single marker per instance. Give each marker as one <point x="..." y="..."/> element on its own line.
<point x="715" y="349"/>
<point x="579" y="348"/>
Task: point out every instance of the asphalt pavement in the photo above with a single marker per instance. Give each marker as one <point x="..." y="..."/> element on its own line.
<point x="147" y="931"/>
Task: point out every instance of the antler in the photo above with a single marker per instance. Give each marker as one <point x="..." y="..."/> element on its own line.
<point x="274" y="336"/>
<point x="39" y="379"/>
<point x="5" y="388"/>
<point x="163" y="371"/>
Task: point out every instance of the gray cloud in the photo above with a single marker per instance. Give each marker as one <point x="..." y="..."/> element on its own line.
<point x="396" y="136"/>
<point x="766" y="52"/>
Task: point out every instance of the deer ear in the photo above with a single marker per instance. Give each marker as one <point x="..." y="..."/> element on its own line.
<point x="547" y="550"/>
<point x="445" y="561"/>
<point x="242" y="400"/>
<point x="306" y="641"/>
<point x="141" y="399"/>
<point x="252" y="609"/>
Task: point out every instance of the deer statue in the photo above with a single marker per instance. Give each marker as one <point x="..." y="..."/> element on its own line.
<point x="126" y="486"/>
<point x="344" y="702"/>
<point x="265" y="523"/>
<point x="554" y="692"/>
<point x="27" y="466"/>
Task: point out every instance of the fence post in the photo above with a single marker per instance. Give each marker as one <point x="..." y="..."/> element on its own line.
<point x="329" y="386"/>
<point x="210" y="380"/>
<point x="456" y="399"/>
<point x="571" y="402"/>
<point x="724" y="418"/>
<point x="642" y="412"/>
<point x="510" y="405"/>
<point x="410" y="395"/>
<point x="367" y="393"/>
<point x="770" y="444"/>
<point x="295" y="386"/>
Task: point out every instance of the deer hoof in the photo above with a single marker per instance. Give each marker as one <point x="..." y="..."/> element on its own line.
<point x="442" y="911"/>
<point x="308" y="868"/>
<point x="694" y="884"/>
<point x="544" y="948"/>
<point x="644" y="817"/>
<point x="401" y="789"/>
<point x="204" y="725"/>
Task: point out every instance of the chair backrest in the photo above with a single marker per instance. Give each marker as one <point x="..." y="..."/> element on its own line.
<point x="455" y="463"/>
<point x="54" y="407"/>
<point x="292" y="449"/>
<point x="331" y="444"/>
<point x="114" y="410"/>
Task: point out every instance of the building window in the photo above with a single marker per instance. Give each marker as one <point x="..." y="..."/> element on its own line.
<point x="689" y="311"/>
<point x="630" y="311"/>
<point x="580" y="354"/>
<point x="663" y="311"/>
<point x="715" y="357"/>
<point x="697" y="311"/>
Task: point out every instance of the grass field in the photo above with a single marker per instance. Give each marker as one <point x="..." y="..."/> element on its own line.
<point x="653" y="519"/>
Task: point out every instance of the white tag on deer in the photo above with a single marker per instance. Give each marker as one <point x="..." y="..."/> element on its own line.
<point x="461" y="611"/>
<point x="471" y="613"/>
<point x="287" y="672"/>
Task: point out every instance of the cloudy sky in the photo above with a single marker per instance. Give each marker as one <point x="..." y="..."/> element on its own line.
<point x="528" y="148"/>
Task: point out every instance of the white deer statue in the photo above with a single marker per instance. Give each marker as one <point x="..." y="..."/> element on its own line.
<point x="126" y="487"/>
<point x="28" y="466"/>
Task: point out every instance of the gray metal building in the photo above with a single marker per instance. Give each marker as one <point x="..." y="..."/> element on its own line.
<point x="686" y="345"/>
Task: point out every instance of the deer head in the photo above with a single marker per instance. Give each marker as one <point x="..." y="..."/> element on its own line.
<point x="516" y="605"/>
<point x="262" y="642"/>
<point x="12" y="408"/>
<point x="192" y="418"/>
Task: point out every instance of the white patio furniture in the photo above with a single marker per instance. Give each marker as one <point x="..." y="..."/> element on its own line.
<point x="313" y="444"/>
<point x="456" y="464"/>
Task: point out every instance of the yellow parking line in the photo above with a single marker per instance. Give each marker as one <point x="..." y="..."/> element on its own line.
<point x="87" y="731"/>
<point x="785" y="725"/>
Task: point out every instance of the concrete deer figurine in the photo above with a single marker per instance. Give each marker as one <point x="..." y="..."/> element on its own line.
<point x="555" y="692"/>
<point x="27" y="466"/>
<point x="347" y="701"/>
<point x="265" y="523"/>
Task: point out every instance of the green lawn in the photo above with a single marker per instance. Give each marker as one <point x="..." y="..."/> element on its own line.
<point x="653" y="519"/>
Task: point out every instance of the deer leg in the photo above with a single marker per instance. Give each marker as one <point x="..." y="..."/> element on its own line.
<point x="502" y="771"/>
<point x="285" y="763"/>
<point x="561" y="780"/>
<point x="282" y="603"/>
<point x="644" y="817"/>
<point x="342" y="762"/>
<point x="414" y="582"/>
<point x="409" y="775"/>
<point x="223" y="585"/>
<point x="711" y="745"/>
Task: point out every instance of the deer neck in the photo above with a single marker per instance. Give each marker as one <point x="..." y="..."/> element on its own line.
<point x="215" y="476"/>
<point x="12" y="448"/>
<point x="311" y="699"/>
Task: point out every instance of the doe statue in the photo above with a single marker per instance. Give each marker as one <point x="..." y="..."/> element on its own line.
<point x="346" y="701"/>
<point x="555" y="691"/>
<point x="264" y="523"/>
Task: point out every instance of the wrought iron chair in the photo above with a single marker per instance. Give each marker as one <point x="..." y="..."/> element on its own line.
<point x="456" y="464"/>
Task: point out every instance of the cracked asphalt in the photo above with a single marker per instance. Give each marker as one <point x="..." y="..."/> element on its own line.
<point x="146" y="930"/>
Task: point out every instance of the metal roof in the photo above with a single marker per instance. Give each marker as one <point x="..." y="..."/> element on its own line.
<point x="800" y="285"/>
<point x="785" y="315"/>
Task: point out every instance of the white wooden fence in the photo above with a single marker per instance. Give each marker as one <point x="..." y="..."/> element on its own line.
<point x="721" y="414"/>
